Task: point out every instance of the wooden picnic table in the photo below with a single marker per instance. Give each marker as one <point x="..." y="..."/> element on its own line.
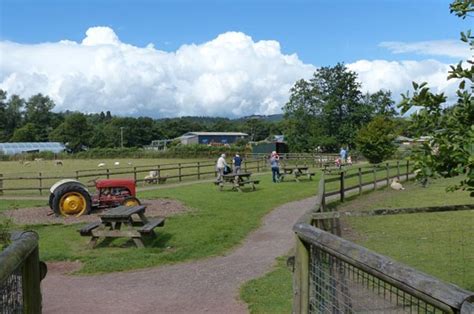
<point x="297" y="172"/>
<point x="123" y="222"/>
<point x="237" y="181"/>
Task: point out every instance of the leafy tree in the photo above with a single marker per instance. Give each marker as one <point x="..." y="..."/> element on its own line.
<point x="328" y="110"/>
<point x="376" y="140"/>
<point x="38" y="112"/>
<point x="27" y="133"/>
<point x="381" y="103"/>
<point x="75" y="132"/>
<point x="450" y="151"/>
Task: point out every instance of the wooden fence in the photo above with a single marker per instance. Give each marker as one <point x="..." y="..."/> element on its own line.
<point x="333" y="275"/>
<point x="20" y="275"/>
<point x="41" y="181"/>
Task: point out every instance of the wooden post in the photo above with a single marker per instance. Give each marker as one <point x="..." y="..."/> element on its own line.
<point x="342" y="186"/>
<point x="77" y="174"/>
<point x="245" y="166"/>
<point x="258" y="165"/>
<point x="360" y="181"/>
<point x="375" y="178"/>
<point x="301" y="278"/>
<point x="199" y="170"/>
<point x="31" y="283"/>
<point x="388" y="173"/>
<point x="135" y="174"/>
<point x="179" y="172"/>
<point x="40" y="183"/>
<point x="1" y="184"/>
<point x="408" y="168"/>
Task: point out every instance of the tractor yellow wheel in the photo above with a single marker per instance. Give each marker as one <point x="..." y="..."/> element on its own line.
<point x="72" y="204"/>
<point x="131" y="201"/>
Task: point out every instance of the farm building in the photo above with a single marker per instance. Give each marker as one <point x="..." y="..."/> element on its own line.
<point x="30" y="147"/>
<point x="211" y="137"/>
<point x="266" y="147"/>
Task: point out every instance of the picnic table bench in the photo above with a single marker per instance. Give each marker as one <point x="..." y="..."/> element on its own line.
<point x="297" y="172"/>
<point x="122" y="222"/>
<point x="237" y="181"/>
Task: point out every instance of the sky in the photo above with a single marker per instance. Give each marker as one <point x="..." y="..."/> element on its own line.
<point x="218" y="58"/>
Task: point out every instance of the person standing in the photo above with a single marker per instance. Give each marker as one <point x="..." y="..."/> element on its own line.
<point x="221" y="164"/>
<point x="275" y="164"/>
<point x="237" y="162"/>
<point x="342" y="154"/>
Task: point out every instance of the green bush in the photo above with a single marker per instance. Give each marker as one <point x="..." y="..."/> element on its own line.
<point x="376" y="140"/>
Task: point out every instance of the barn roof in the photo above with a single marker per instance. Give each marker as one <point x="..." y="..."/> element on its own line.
<point x="216" y="133"/>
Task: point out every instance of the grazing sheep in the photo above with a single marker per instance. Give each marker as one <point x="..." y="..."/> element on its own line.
<point x="396" y="185"/>
<point x="117" y="163"/>
<point x="101" y="165"/>
<point x="152" y="177"/>
<point x="39" y="159"/>
<point x="26" y="163"/>
<point x="58" y="163"/>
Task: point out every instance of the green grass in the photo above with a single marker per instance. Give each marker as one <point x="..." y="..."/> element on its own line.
<point x="218" y="222"/>
<point x="15" y="204"/>
<point x="270" y="293"/>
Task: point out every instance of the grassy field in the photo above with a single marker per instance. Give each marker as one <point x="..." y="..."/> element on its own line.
<point x="439" y="244"/>
<point x="15" y="204"/>
<point x="218" y="222"/>
<point x="47" y="168"/>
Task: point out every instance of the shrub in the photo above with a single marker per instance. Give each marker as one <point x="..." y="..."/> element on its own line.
<point x="376" y="140"/>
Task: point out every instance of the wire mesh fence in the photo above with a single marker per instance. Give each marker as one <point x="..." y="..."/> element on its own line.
<point x="338" y="287"/>
<point x="11" y="294"/>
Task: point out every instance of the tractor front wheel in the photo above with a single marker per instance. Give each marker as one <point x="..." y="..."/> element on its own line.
<point x="131" y="201"/>
<point x="71" y="200"/>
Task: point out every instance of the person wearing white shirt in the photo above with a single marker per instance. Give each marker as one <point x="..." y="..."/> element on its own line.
<point x="221" y="164"/>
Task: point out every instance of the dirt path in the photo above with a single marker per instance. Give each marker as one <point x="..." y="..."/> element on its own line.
<point x="206" y="286"/>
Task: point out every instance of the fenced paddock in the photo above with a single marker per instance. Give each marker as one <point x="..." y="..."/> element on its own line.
<point x="39" y="182"/>
<point x="334" y="275"/>
<point x="20" y="275"/>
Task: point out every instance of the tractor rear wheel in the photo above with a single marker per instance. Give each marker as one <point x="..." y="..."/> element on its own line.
<point x="131" y="201"/>
<point x="71" y="200"/>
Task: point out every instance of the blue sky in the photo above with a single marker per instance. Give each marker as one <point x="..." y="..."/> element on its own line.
<point x="321" y="33"/>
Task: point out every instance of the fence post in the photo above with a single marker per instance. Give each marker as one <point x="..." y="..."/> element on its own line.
<point x="179" y="172"/>
<point x="40" y="183"/>
<point x="199" y="170"/>
<point x="342" y="186"/>
<point x="31" y="283"/>
<point x="360" y="181"/>
<point x="258" y="165"/>
<point x="375" y="178"/>
<point x="245" y="165"/>
<point x="77" y="174"/>
<point x="108" y="173"/>
<point x="1" y="184"/>
<point x="301" y="278"/>
<point x="388" y="173"/>
<point x="135" y="174"/>
<point x="408" y="168"/>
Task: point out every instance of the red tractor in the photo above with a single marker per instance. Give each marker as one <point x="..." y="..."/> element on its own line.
<point x="72" y="198"/>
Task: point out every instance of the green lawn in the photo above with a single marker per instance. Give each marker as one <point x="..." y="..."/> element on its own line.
<point x="270" y="293"/>
<point x="219" y="221"/>
<point x="14" y="204"/>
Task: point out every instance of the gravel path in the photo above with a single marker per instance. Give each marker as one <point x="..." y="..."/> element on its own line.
<point x="205" y="286"/>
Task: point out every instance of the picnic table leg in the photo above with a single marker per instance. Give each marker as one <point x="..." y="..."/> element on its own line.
<point x="93" y="242"/>
<point x="138" y="242"/>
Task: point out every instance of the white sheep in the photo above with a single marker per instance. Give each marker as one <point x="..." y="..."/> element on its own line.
<point x="101" y="165"/>
<point x="152" y="177"/>
<point x="39" y="159"/>
<point x="396" y="185"/>
<point x="26" y="163"/>
<point x="117" y="163"/>
<point x="58" y="163"/>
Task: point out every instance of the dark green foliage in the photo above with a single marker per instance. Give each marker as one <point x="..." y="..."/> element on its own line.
<point x="327" y="110"/>
<point x="450" y="151"/>
<point x="376" y="140"/>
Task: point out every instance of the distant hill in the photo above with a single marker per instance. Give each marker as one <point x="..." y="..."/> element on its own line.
<point x="269" y="118"/>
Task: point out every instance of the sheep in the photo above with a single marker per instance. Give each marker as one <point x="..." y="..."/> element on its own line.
<point x="152" y="177"/>
<point x="396" y="185"/>
<point x="117" y="163"/>
<point x="101" y="165"/>
<point x="39" y="159"/>
<point x="58" y="163"/>
<point x="26" y="163"/>
<point x="129" y="163"/>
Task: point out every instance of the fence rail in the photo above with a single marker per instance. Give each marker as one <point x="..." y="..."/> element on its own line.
<point x="178" y="172"/>
<point x="20" y="275"/>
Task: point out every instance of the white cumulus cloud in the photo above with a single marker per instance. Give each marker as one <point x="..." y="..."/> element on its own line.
<point x="231" y="75"/>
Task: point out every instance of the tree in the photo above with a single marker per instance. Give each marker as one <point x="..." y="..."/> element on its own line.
<point x="328" y="110"/>
<point x="75" y="132"/>
<point x="450" y="151"/>
<point x="38" y="112"/>
<point x="381" y="103"/>
<point x="376" y="140"/>
<point x="27" y="133"/>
